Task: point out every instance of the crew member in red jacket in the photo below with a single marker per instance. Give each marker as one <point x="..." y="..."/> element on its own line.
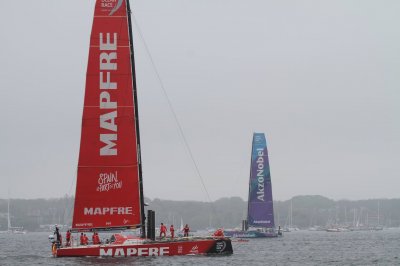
<point x="82" y="239"/>
<point x="186" y="230"/>
<point x="68" y="238"/>
<point x="163" y="230"/>
<point x="95" y="238"/>
<point x="172" y="230"/>
<point x="85" y="239"/>
<point x="219" y="233"/>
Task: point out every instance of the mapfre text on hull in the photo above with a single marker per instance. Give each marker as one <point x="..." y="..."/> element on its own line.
<point x="184" y="246"/>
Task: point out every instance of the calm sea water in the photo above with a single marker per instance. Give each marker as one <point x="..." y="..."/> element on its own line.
<point x="295" y="248"/>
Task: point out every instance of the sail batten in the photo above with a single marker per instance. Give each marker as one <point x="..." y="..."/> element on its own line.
<point x="107" y="189"/>
<point x="260" y="204"/>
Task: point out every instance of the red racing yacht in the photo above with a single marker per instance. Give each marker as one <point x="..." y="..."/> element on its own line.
<point x="126" y="246"/>
<point x="109" y="187"/>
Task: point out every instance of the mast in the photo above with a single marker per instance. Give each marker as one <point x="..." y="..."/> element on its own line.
<point x="249" y="194"/>
<point x="135" y="99"/>
<point x="8" y="215"/>
<point x="378" y="212"/>
<point x="291" y="214"/>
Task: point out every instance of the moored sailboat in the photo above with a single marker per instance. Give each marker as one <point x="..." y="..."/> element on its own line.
<point x="12" y="229"/>
<point x="109" y="189"/>
<point x="289" y="227"/>
<point x="260" y="211"/>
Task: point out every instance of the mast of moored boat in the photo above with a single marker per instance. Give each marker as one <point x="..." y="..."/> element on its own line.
<point x="8" y="214"/>
<point x="142" y="213"/>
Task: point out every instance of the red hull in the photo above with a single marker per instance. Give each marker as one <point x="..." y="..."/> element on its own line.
<point x="152" y="248"/>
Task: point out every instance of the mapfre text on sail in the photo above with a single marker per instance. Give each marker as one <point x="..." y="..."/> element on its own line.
<point x="108" y="95"/>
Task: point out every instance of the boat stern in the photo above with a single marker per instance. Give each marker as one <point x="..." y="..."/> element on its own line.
<point x="221" y="246"/>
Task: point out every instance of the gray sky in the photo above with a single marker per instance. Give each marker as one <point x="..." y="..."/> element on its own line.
<point x="319" y="78"/>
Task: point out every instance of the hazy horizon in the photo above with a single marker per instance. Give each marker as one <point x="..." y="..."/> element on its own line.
<point x="320" y="79"/>
<point x="244" y="199"/>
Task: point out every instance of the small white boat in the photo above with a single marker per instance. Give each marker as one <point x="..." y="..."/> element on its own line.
<point x="337" y="229"/>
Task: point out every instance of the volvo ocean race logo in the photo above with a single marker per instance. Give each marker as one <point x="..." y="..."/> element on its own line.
<point x="112" y="5"/>
<point x="220" y="246"/>
<point x="119" y="4"/>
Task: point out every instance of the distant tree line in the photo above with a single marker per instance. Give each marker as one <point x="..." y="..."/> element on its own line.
<point x="306" y="211"/>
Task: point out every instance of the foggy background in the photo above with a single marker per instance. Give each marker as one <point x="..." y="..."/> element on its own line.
<point x="319" y="78"/>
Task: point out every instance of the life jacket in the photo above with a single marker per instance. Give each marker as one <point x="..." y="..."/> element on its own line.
<point x="86" y="240"/>
<point x="171" y="229"/>
<point x="97" y="238"/>
<point x="163" y="228"/>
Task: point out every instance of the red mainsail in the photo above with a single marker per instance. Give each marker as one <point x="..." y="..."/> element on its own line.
<point x="107" y="189"/>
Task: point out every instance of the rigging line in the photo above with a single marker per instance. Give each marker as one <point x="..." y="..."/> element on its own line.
<point x="172" y="109"/>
